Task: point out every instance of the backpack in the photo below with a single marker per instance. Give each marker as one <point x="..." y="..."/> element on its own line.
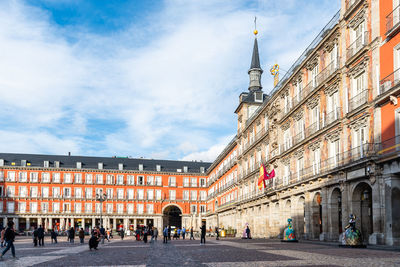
<point x="9" y="235"/>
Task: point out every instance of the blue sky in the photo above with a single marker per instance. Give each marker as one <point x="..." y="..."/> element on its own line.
<point x="158" y="79"/>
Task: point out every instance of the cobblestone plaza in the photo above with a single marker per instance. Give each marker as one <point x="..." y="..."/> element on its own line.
<point x="227" y="252"/>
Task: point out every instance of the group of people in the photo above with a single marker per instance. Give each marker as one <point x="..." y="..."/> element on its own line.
<point x="144" y="232"/>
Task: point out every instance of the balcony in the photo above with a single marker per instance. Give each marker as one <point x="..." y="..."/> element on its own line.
<point x="393" y="21"/>
<point x="389" y="82"/>
<point x="332" y="116"/>
<point x="389" y="148"/>
<point x="358" y="100"/>
<point x="360" y="42"/>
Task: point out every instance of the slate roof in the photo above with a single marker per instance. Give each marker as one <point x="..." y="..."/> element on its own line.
<point x="109" y="163"/>
<point x="255" y="59"/>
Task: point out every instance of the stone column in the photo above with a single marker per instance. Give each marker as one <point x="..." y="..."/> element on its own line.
<point x="16" y="223"/>
<point x="324" y="203"/>
<point x="72" y="222"/>
<point x="93" y="222"/>
<point x="83" y="223"/>
<point x="135" y="223"/>
<point x="28" y="224"/>
<point x="114" y="223"/>
<point x="125" y="224"/>
<point x="39" y="221"/>
<point x="307" y="211"/>
<point x="50" y="223"/>
<point x="377" y="232"/>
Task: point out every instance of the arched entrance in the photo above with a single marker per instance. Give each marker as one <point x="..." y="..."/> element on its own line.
<point x="172" y="216"/>
<point x="396" y="215"/>
<point x="316" y="215"/>
<point x="362" y="208"/>
<point x="336" y="213"/>
<point x="300" y="218"/>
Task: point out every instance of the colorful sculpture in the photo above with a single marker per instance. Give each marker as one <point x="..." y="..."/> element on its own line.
<point x="288" y="233"/>
<point x="352" y="236"/>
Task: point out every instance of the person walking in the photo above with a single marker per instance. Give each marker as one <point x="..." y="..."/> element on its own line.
<point x="203" y="234"/>
<point x="145" y="233"/>
<point x="217" y="233"/>
<point x="191" y="233"/>
<point x="102" y="233"/>
<point x="179" y="233"/>
<point x="71" y="235"/>
<point x="81" y="235"/>
<point x="108" y="234"/>
<point x="122" y="233"/>
<point x="9" y="237"/>
<point x="35" y="237"/>
<point x="151" y="232"/>
<point x="248" y="232"/>
<point x="155" y="233"/>
<point x="53" y="235"/>
<point x="183" y="233"/>
<point x="40" y="235"/>
<point x="165" y="234"/>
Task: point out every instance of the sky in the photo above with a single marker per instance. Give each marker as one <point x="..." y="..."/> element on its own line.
<point x="152" y="79"/>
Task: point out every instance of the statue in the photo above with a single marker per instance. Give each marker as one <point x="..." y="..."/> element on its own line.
<point x="288" y="233"/>
<point x="352" y="236"/>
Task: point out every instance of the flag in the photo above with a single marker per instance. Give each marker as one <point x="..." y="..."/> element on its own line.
<point x="262" y="177"/>
<point x="270" y="175"/>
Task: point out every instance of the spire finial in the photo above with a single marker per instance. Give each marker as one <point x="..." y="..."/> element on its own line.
<point x="255" y="26"/>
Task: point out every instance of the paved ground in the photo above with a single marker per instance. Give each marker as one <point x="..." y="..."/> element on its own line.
<point x="228" y="252"/>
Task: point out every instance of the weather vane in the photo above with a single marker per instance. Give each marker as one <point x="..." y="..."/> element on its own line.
<point x="255" y="26"/>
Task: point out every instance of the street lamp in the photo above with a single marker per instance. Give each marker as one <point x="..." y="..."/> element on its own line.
<point x="101" y="197"/>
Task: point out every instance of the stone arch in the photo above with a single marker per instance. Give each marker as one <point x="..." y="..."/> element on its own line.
<point x="395" y="213"/>
<point x="287" y="210"/>
<point x="362" y="208"/>
<point x="335" y="213"/>
<point x="299" y="217"/>
<point x="276" y="218"/>
<point x="316" y="216"/>
<point x="172" y="215"/>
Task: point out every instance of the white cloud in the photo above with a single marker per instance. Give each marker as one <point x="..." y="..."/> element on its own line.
<point x="166" y="90"/>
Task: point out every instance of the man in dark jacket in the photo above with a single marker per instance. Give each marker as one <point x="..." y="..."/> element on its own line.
<point x="9" y="237"/>
<point x="203" y="233"/>
<point x="103" y="234"/>
<point x="81" y="235"/>
<point x="40" y="234"/>
<point x="72" y="235"/>
<point x="35" y="236"/>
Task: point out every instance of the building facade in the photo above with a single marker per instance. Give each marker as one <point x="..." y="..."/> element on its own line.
<point x="63" y="191"/>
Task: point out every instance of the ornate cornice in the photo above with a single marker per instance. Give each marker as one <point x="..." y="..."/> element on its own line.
<point x="360" y="122"/>
<point x="312" y="62"/>
<point x="298" y="77"/>
<point x="360" y="67"/>
<point x="299" y="153"/>
<point x="330" y="44"/>
<point x="334" y="135"/>
<point x="333" y="87"/>
<point x="313" y="101"/>
<point x="298" y="115"/>
<point x="314" y="145"/>
<point x="285" y="160"/>
<point x="357" y="19"/>
<point x="285" y="126"/>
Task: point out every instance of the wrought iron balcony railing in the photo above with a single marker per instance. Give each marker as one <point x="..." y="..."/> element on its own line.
<point x="389" y="82"/>
<point x="360" y="42"/>
<point x="393" y="20"/>
<point x="358" y="100"/>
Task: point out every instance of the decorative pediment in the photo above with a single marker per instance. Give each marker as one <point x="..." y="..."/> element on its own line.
<point x="334" y="135"/>
<point x="285" y="126"/>
<point x="314" y="145"/>
<point x="334" y="40"/>
<point x="357" y="19"/>
<point x="359" y="123"/>
<point x="298" y="77"/>
<point x="333" y="87"/>
<point x="285" y="92"/>
<point x="312" y="62"/>
<point x="285" y="160"/>
<point x="313" y="101"/>
<point x="299" y="114"/>
<point x="299" y="153"/>
<point x="360" y="67"/>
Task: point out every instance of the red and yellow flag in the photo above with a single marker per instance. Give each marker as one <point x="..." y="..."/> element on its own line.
<point x="262" y="177"/>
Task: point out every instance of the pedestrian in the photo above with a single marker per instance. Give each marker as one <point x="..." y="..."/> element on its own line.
<point x="108" y="234"/>
<point x="151" y="233"/>
<point x="35" y="236"/>
<point x="102" y="233"/>
<point x="175" y="234"/>
<point x="53" y="235"/>
<point x="40" y="235"/>
<point x="145" y="233"/>
<point x="155" y="233"/>
<point x="67" y="231"/>
<point x="9" y="236"/>
<point x="81" y="235"/>
<point x="165" y="234"/>
<point x="183" y="232"/>
<point x="137" y="234"/>
<point x="209" y="232"/>
<point x="203" y="234"/>
<point x="94" y="240"/>
<point x="217" y="233"/>
<point x="72" y="235"/>
<point x="122" y="233"/>
<point x="191" y="233"/>
<point x="179" y="233"/>
<point x="3" y="230"/>
<point x="248" y="232"/>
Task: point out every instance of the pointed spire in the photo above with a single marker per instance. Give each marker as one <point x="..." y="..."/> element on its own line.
<point x="255" y="60"/>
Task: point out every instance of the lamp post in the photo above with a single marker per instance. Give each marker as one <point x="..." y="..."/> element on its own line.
<point x="101" y="197"/>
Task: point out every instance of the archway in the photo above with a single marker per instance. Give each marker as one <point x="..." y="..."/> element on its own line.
<point x="287" y="210"/>
<point x="362" y="208"/>
<point x="335" y="215"/>
<point x="316" y="216"/>
<point x="172" y="216"/>
<point x="300" y="218"/>
<point x="395" y="214"/>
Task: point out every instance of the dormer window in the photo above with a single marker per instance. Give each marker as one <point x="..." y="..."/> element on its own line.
<point x="46" y="164"/>
<point x="120" y="166"/>
<point x="23" y="163"/>
<point x="56" y="164"/>
<point x="79" y="165"/>
<point x="185" y="169"/>
<point x="202" y="169"/>
<point x="158" y="168"/>
<point x="140" y="167"/>
<point x="2" y="162"/>
<point x="100" y="165"/>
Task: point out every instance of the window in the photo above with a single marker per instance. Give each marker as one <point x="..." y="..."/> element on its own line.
<point x="109" y="193"/>
<point x="286" y="139"/>
<point x="300" y="129"/>
<point x="172" y="181"/>
<point x="332" y="106"/>
<point x="99" y="178"/>
<point x="193" y="209"/>
<point x="120" y="166"/>
<point x="89" y="178"/>
<point x="11" y="176"/>
<point x="67" y="207"/>
<point x="316" y="162"/>
<point x="202" y="169"/>
<point x="56" y="207"/>
<point x="140" y="167"/>
<point x="34" y="176"/>
<point x="56" y="192"/>
<point x="315" y="118"/>
<point x="334" y="153"/>
<point x="110" y="179"/>
<point x="78" y="192"/>
<point x="67" y="178"/>
<point x="21" y="207"/>
<point x="1" y="176"/>
<point x="203" y="195"/>
<point x="193" y="195"/>
<point x="109" y="208"/>
<point x="158" y="180"/>
<point x="158" y="168"/>
<point x="88" y="193"/>
<point x="193" y="182"/>
<point x="130" y="179"/>
<point x="10" y="207"/>
<point x="314" y="74"/>
<point x="150" y="180"/>
<point x="140" y="193"/>
<point x="56" y="177"/>
<point x="185" y="169"/>
<point x="287" y="103"/>
<point x="120" y="208"/>
<point x="34" y="191"/>
<point x="33" y="207"/>
<point x="88" y="207"/>
<point x="120" y="193"/>
<point x="46" y="164"/>
<point x="129" y="193"/>
<point x="98" y="208"/>
<point x="172" y="194"/>
<point x="56" y="164"/>
<point x="100" y="165"/>
<point x="67" y="192"/>
<point x="78" y="208"/>
<point x="44" y="206"/>
<point x="359" y="139"/>
<point x="185" y="195"/>
<point x="185" y="181"/>
<point x="45" y="192"/>
<point x="79" y="165"/>
<point x="23" y="177"/>
<point x="120" y="179"/>
<point x="78" y="178"/>
<point x="149" y="208"/>
<point x="299" y="90"/>
<point x="358" y="84"/>
<point x="202" y="182"/>
<point x="158" y="194"/>
<point x="45" y="177"/>
<point x="202" y="208"/>
<point x="22" y="191"/>
<point x="140" y="180"/>
<point x="130" y="208"/>
<point x="150" y="194"/>
<point x="140" y="208"/>
<point x="300" y="167"/>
